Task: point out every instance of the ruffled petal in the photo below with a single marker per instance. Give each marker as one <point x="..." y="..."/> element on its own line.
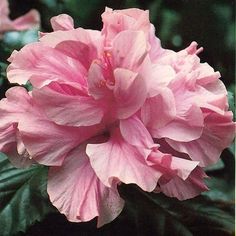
<point x="130" y="92"/>
<point x="16" y="104"/>
<point x="48" y="143"/>
<point x="218" y="133"/>
<point x="27" y="21"/>
<point x="185" y="189"/>
<point x="117" y="21"/>
<point x="76" y="44"/>
<point x="129" y="49"/>
<point x="118" y="160"/>
<point x="96" y="86"/>
<point x="183" y="129"/>
<point x="135" y="133"/>
<point x="7" y="138"/>
<point x="77" y="192"/>
<point x="62" y="22"/>
<point x="171" y="166"/>
<point x="159" y="110"/>
<point x="41" y="65"/>
<point x="69" y="106"/>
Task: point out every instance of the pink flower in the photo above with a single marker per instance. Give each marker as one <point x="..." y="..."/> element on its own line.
<point x="27" y="21"/>
<point x="113" y="107"/>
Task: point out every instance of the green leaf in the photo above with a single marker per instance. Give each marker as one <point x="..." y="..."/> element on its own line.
<point x="156" y="214"/>
<point x="23" y="197"/>
<point x="231" y="100"/>
<point x="151" y="214"/>
<point x="217" y="166"/>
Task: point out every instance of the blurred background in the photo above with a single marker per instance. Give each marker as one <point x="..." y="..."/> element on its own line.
<point x="211" y="23"/>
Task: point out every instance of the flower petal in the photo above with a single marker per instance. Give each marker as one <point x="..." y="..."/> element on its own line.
<point x="95" y="80"/>
<point x="118" y="160"/>
<point x="41" y="65"/>
<point x="129" y="49"/>
<point x="127" y="19"/>
<point x="66" y="107"/>
<point x="159" y="110"/>
<point x="7" y="138"/>
<point x="185" y="189"/>
<point x="135" y="133"/>
<point x="49" y="143"/>
<point x="27" y="21"/>
<point x="183" y="129"/>
<point x="77" y="192"/>
<point x="62" y="22"/>
<point x="218" y="133"/>
<point x="170" y="165"/>
<point x="129" y="92"/>
<point x="4" y="8"/>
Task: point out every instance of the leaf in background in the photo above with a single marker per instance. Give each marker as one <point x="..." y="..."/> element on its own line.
<point x="151" y="214"/>
<point x="23" y="197"/>
<point x="168" y="31"/>
<point x="222" y="180"/>
<point x="156" y="214"/>
<point x="231" y="99"/>
<point x="3" y="67"/>
<point x="82" y="11"/>
<point x="220" y="189"/>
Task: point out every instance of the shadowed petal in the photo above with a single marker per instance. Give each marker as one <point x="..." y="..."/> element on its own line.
<point x="77" y="192"/>
<point x="129" y="92"/>
<point x="117" y="159"/>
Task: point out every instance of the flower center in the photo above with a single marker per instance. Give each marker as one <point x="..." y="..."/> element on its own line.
<point x="107" y="70"/>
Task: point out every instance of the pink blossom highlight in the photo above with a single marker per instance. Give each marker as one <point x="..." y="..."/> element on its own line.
<point x="111" y="107"/>
<point x="27" y="21"/>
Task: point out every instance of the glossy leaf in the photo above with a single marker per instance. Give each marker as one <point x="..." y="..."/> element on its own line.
<point x="23" y="197"/>
<point x="151" y="214"/>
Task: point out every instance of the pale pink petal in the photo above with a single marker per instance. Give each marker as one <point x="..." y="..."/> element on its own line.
<point x="20" y="160"/>
<point x="135" y="133"/>
<point x="45" y="141"/>
<point x="77" y="192"/>
<point x="183" y="129"/>
<point x="129" y="92"/>
<point x="7" y="138"/>
<point x="129" y="48"/>
<point x="4" y="8"/>
<point x="206" y="74"/>
<point x="27" y="21"/>
<point x="48" y="143"/>
<point x="41" y="65"/>
<point x="185" y="189"/>
<point x="118" y="160"/>
<point x="96" y="82"/>
<point x="62" y="22"/>
<point x="157" y="76"/>
<point x="218" y="133"/>
<point x="16" y="104"/>
<point x="120" y="20"/>
<point x="170" y="165"/>
<point x="78" y="50"/>
<point x="159" y="110"/>
<point x="52" y="39"/>
<point x="12" y="109"/>
<point x="76" y="43"/>
<point x="156" y="49"/>
<point x="68" y="108"/>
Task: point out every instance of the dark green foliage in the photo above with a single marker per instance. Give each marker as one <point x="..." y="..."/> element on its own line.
<point x="151" y="214"/>
<point x="23" y="197"/>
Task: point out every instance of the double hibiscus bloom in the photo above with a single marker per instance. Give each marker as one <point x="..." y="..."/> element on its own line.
<point x="110" y="107"/>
